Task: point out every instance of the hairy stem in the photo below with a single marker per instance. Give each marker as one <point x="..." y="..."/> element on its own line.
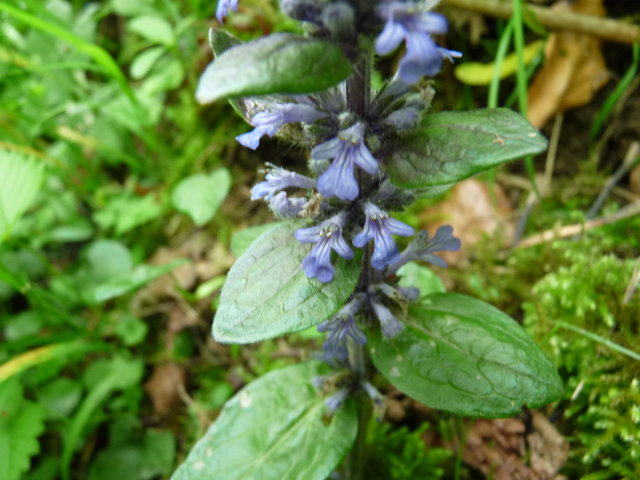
<point x="358" y="93"/>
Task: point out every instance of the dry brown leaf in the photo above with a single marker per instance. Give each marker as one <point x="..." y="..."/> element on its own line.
<point x="497" y="448"/>
<point x="549" y="449"/>
<point x="573" y="71"/>
<point x="164" y="387"/>
<point x="469" y="208"/>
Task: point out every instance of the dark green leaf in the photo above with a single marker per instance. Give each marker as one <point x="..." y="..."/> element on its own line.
<point x="465" y="356"/>
<point x="452" y="146"/>
<point x="273" y="429"/>
<point x="221" y="40"/>
<point x="279" y="63"/>
<point x="21" y="423"/>
<point x="267" y="294"/>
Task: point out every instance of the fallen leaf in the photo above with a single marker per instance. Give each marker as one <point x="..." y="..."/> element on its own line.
<point x="574" y="68"/>
<point x="498" y="449"/>
<point x="164" y="387"/>
<point x="549" y="449"/>
<point x="470" y="209"/>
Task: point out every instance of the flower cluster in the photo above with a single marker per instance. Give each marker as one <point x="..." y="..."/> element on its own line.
<point x="354" y="194"/>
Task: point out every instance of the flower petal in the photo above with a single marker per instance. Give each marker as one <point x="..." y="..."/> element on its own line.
<point x="390" y="37"/>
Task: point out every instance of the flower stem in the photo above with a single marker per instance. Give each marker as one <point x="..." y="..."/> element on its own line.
<point x="358" y="93"/>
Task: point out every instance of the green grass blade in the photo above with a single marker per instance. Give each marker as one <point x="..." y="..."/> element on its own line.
<point x="494" y="89"/>
<point x="601" y="340"/>
<point x="611" y="101"/>
<point x="501" y="53"/>
<point x="521" y="79"/>
<point x="97" y="53"/>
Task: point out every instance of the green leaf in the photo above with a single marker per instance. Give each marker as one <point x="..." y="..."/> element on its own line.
<point x="140" y="276"/>
<point x="221" y="41"/>
<point x="108" y="259"/>
<point x="144" y="62"/>
<point x="267" y="294"/>
<point x="273" y="429"/>
<point x="60" y="397"/>
<point x="117" y="373"/>
<point x="200" y="195"/>
<point x="462" y="355"/>
<point x="21" y="423"/>
<point x="20" y="180"/>
<point x="126" y="211"/>
<point x="241" y="240"/>
<point x="131" y="330"/>
<point x="279" y="63"/>
<point x="153" y="28"/>
<point x="452" y="146"/>
<point x="414" y="275"/>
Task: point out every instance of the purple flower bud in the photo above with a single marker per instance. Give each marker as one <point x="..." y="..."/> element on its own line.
<point x="391" y="326"/>
<point x="347" y="149"/>
<point x="403" y="118"/>
<point x="411" y="22"/>
<point x="334" y="402"/>
<point x="338" y="18"/>
<point x="377" y="399"/>
<point x="342" y="327"/>
<point x="283" y="207"/>
<point x="303" y="10"/>
<point x="327" y="236"/>
<point x="409" y="293"/>
<point x="223" y="8"/>
<point x="379" y="227"/>
<point x="278" y="179"/>
<point x="268" y="121"/>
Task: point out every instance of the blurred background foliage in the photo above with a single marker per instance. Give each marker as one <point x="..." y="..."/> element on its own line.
<point x="120" y="198"/>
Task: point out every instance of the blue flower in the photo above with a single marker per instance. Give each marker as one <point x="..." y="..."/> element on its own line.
<point x="223" y="8"/>
<point x="342" y="327"/>
<point x="278" y="179"/>
<point x="421" y="248"/>
<point x="442" y="241"/>
<point x="326" y="236"/>
<point x="391" y="326"/>
<point x="346" y="149"/>
<point x="268" y="121"/>
<point x="379" y="227"/>
<point x="412" y="23"/>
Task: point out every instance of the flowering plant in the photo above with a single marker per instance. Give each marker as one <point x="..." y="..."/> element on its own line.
<point x="371" y="152"/>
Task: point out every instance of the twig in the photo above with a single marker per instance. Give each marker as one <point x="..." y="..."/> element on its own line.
<point x="633" y="284"/>
<point x="570" y="230"/>
<point x="549" y="166"/>
<point x="553" y="152"/>
<point x="605" y="28"/>
<point x="631" y="159"/>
